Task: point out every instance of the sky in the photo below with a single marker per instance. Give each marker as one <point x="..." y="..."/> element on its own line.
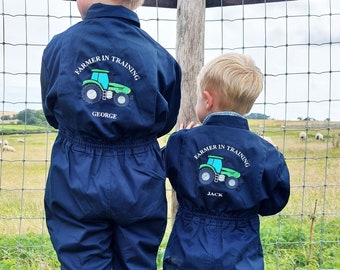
<point x="297" y="53"/>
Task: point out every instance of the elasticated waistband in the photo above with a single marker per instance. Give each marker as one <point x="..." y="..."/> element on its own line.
<point x="78" y="142"/>
<point x="205" y="218"/>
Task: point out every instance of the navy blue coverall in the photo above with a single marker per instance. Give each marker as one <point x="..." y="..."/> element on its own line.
<point x="224" y="177"/>
<point x="111" y="91"/>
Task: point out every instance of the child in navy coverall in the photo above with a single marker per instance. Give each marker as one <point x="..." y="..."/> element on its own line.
<point x="111" y="91"/>
<point x="223" y="174"/>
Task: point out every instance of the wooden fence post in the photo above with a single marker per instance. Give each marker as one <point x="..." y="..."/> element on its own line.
<point x="190" y="55"/>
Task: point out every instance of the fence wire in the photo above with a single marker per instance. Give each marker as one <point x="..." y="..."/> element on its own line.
<point x="297" y="46"/>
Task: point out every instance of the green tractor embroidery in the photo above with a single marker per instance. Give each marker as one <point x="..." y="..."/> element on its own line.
<point x="212" y="171"/>
<point x="100" y="88"/>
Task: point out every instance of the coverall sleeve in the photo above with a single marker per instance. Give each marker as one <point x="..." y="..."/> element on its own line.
<point x="276" y="184"/>
<point x="45" y="97"/>
<point x="49" y="74"/>
<point x="172" y="157"/>
<point x="170" y="78"/>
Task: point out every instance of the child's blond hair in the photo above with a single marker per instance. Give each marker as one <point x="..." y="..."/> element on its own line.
<point x="235" y="79"/>
<point x="131" y="4"/>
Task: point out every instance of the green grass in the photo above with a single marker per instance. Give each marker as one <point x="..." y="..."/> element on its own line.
<point x="286" y="246"/>
<point x="27" y="252"/>
<point x="24" y="242"/>
<point x="287" y="243"/>
<point x="8" y="129"/>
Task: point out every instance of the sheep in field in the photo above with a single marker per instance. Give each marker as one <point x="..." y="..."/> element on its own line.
<point x="8" y="148"/>
<point x="303" y="136"/>
<point x="4" y="142"/>
<point x="319" y="136"/>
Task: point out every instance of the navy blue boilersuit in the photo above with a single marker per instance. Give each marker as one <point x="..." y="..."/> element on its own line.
<point x="111" y="91"/>
<point x="224" y="177"/>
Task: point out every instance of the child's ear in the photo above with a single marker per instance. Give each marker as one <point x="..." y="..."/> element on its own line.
<point x="209" y="100"/>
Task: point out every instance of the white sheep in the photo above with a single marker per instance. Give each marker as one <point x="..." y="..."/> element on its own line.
<point x="319" y="136"/>
<point x="260" y="131"/>
<point x="8" y="148"/>
<point x="303" y="136"/>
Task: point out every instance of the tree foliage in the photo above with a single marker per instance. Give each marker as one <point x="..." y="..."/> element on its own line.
<point x="257" y="116"/>
<point x="32" y="117"/>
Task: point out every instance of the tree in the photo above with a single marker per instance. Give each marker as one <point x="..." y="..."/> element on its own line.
<point x="32" y="117"/>
<point x="6" y="117"/>
<point x="257" y="116"/>
<point x="308" y="118"/>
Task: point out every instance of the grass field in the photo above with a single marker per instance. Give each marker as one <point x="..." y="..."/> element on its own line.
<point x="305" y="235"/>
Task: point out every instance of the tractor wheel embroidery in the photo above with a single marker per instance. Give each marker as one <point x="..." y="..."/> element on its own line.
<point x="91" y="93"/>
<point x="100" y="88"/>
<point x="121" y="99"/>
<point x="206" y="176"/>
<point x="213" y="171"/>
<point x="232" y="183"/>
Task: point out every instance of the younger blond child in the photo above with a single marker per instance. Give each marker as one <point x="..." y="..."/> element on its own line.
<point x="224" y="175"/>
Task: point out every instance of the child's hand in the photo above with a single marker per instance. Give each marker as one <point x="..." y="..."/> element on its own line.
<point x="190" y="125"/>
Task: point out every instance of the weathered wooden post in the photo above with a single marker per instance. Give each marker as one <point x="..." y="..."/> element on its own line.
<point x="190" y="55"/>
<point x="189" y="52"/>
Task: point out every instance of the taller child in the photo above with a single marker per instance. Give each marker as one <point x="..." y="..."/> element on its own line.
<point x="111" y="91"/>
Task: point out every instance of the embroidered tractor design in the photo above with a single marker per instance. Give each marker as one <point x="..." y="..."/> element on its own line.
<point x="100" y="88"/>
<point x="212" y="171"/>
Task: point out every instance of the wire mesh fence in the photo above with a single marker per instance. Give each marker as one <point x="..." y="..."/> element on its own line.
<point x="297" y="46"/>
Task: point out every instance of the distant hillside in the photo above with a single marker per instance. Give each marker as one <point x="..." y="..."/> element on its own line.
<point x="5" y="113"/>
